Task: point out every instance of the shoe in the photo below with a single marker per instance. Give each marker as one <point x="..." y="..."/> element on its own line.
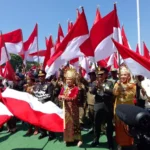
<point x="8" y="131"/>
<point x="94" y="144"/>
<point x="91" y="131"/>
<point x="51" y="138"/>
<point x="29" y="132"/>
<point x="1" y="129"/>
<point x="13" y="130"/>
<point x="70" y="144"/>
<point x="79" y="143"/>
<point x="119" y="147"/>
<point x="42" y="136"/>
<point x="111" y="148"/>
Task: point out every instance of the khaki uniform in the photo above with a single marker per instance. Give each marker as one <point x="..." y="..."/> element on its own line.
<point x="82" y="103"/>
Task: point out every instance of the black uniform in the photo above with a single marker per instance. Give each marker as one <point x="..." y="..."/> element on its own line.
<point x="103" y="111"/>
<point x="44" y="93"/>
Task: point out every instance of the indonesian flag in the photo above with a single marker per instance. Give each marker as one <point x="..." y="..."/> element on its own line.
<point x="101" y="34"/>
<point x="5" y="114"/>
<point x="78" y="13"/>
<point x="13" y="41"/>
<point x="85" y="68"/>
<point x="146" y="51"/>
<point x="81" y="64"/>
<point x="60" y="36"/>
<point x="70" y="46"/>
<point x="113" y="61"/>
<point x="98" y="16"/>
<point x="4" y="55"/>
<point x="137" y="64"/>
<point x="31" y="45"/>
<point x="124" y="38"/>
<point x="8" y="72"/>
<point x="74" y="63"/>
<point x="38" y="56"/>
<point x="27" y="108"/>
<point x="70" y="25"/>
<point x="50" y="49"/>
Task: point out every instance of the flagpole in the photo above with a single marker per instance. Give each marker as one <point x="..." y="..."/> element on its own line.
<point x="24" y="66"/>
<point x="38" y="47"/>
<point x="138" y="26"/>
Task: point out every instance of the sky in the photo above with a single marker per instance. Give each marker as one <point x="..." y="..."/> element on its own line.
<point x="48" y="14"/>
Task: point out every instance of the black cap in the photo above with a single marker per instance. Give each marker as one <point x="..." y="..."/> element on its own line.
<point x="104" y="70"/>
<point x="41" y="73"/>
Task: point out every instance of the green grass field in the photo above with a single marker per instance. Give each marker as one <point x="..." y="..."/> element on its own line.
<point x="18" y="141"/>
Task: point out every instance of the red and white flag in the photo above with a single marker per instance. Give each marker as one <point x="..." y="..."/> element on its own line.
<point x="70" y="46"/>
<point x="85" y="68"/>
<point x="60" y="36"/>
<point x="5" y="114"/>
<point x="50" y="49"/>
<point x="87" y="45"/>
<point x="101" y="34"/>
<point x="74" y="63"/>
<point x="146" y="51"/>
<point x="13" y="41"/>
<point x="47" y="115"/>
<point x="31" y="45"/>
<point x="137" y="64"/>
<point x="70" y="25"/>
<point x="38" y="56"/>
<point x="124" y="38"/>
<point x="4" y="55"/>
<point x="113" y="61"/>
<point x="8" y="72"/>
<point x="98" y="16"/>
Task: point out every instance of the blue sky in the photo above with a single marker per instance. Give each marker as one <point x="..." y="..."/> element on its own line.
<point x="48" y="13"/>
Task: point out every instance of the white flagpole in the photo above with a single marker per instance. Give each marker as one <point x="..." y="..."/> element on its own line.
<point x="138" y="26"/>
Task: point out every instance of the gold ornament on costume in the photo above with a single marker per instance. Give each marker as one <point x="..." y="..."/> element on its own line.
<point x="70" y="73"/>
<point x="124" y="70"/>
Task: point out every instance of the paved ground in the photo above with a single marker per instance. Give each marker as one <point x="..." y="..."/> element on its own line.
<point x="18" y="141"/>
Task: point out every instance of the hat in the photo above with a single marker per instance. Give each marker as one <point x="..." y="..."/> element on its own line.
<point x="100" y="72"/>
<point x="92" y="72"/>
<point x="113" y="70"/>
<point x="70" y="73"/>
<point x="41" y="73"/>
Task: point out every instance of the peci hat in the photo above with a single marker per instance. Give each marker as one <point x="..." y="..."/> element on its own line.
<point x="92" y="72"/>
<point x="113" y="70"/>
<point x="41" y="73"/>
<point x="102" y="71"/>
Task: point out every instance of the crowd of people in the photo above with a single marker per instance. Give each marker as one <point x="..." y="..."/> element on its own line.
<point x="87" y="104"/>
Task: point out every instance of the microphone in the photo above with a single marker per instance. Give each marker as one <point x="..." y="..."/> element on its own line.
<point x="133" y="116"/>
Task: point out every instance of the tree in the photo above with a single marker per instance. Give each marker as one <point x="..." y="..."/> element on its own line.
<point x="16" y="61"/>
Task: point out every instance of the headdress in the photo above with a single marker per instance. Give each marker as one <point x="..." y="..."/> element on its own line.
<point x="124" y="70"/>
<point x="70" y="73"/>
